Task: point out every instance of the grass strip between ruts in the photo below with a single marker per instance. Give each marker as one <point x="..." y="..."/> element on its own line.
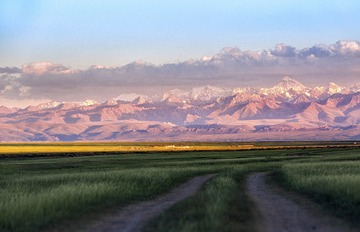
<point x="221" y="205"/>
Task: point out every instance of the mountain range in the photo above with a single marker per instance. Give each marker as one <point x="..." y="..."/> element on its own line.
<point x="287" y="111"/>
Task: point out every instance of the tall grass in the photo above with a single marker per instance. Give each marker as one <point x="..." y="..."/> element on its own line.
<point x="37" y="193"/>
<point x="31" y="203"/>
<point x="334" y="184"/>
<point x="193" y="214"/>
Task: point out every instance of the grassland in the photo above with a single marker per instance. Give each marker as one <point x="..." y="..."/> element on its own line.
<point x="41" y="193"/>
<point x="335" y="184"/>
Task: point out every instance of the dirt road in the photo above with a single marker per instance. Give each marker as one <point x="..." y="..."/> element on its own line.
<point x="280" y="213"/>
<point x="134" y="217"/>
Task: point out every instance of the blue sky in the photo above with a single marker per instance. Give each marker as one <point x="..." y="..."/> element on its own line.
<point x="108" y="32"/>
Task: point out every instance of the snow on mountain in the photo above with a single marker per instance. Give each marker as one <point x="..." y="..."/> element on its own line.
<point x="333" y="88"/>
<point x="176" y="95"/>
<point x="326" y="91"/>
<point x="287" y="87"/>
<point x="111" y="102"/>
<point x="247" y="90"/>
<point x="88" y="102"/>
<point x="236" y="115"/>
<point x="355" y="88"/>
<point x="295" y="91"/>
<point x="203" y="93"/>
<point x="49" y="105"/>
<point x="206" y="93"/>
<point x="61" y="105"/>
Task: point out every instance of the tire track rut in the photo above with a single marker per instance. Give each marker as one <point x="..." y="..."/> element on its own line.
<point x="279" y="213"/>
<point x="133" y="218"/>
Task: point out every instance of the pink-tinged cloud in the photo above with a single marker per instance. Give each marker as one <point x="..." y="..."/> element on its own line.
<point x="230" y="68"/>
<point x="41" y="68"/>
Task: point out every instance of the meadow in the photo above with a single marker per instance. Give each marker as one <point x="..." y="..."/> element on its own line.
<point x="64" y="193"/>
<point x="335" y="184"/>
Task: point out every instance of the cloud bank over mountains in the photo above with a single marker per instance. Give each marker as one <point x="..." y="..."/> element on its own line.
<point x="231" y="67"/>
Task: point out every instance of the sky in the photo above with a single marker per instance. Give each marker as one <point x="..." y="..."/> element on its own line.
<point x="79" y="33"/>
<point x="72" y="50"/>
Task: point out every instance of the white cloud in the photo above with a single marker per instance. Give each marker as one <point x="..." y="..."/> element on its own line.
<point x="347" y="47"/>
<point x="40" y="68"/>
<point x="231" y="67"/>
<point x="284" y="50"/>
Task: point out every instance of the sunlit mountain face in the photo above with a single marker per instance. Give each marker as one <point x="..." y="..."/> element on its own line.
<point x="289" y="110"/>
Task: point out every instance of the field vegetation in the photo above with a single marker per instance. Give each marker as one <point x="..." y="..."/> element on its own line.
<point x="46" y="193"/>
<point x="335" y="184"/>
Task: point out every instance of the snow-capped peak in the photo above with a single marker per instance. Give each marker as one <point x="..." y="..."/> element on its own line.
<point x="88" y="102"/>
<point x="326" y="91"/>
<point x="355" y="88"/>
<point x="284" y="86"/>
<point x="289" y="83"/>
<point x="202" y="93"/>
<point x="176" y="96"/>
<point x="208" y="92"/>
<point x="49" y="105"/>
<point x="333" y="88"/>
<point x="248" y="90"/>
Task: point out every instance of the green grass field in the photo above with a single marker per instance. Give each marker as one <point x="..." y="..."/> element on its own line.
<point x="42" y="193"/>
<point x="336" y="184"/>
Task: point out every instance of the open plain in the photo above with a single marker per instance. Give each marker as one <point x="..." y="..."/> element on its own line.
<point x="92" y="188"/>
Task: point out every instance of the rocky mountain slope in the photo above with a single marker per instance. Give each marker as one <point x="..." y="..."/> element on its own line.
<point x="286" y="111"/>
